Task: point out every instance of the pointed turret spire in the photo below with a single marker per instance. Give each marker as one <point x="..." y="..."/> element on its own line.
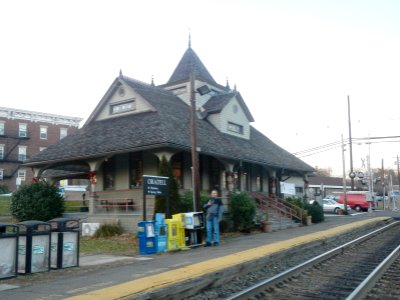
<point x="227" y="83"/>
<point x="234" y="87"/>
<point x="190" y="40"/>
<point x="152" y="80"/>
<point x="120" y="73"/>
<point x="190" y="63"/>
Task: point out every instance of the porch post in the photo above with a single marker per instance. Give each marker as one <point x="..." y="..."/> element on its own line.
<point x="94" y="167"/>
<point x="272" y="182"/>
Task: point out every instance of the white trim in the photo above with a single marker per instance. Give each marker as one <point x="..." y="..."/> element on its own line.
<point x="19" y="114"/>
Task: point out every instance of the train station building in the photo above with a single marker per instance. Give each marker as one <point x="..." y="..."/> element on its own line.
<point x="136" y="123"/>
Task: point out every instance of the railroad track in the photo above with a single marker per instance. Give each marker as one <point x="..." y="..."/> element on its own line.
<point x="338" y="273"/>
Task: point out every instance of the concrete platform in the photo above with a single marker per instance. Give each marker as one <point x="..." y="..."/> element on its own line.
<point x="116" y="277"/>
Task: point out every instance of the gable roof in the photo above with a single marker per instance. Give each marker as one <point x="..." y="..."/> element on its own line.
<point x="216" y="103"/>
<point x="189" y="63"/>
<point x="167" y="126"/>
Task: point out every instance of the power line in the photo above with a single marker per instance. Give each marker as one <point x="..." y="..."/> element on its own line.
<point x="334" y="145"/>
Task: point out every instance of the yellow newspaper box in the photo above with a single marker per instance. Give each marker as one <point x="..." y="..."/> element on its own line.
<point x="173" y="234"/>
<point x="181" y="219"/>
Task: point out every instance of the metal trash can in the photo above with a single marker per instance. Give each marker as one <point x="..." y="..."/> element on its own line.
<point x="9" y="247"/>
<point x="147" y="237"/>
<point x="64" y="243"/>
<point x="34" y="247"/>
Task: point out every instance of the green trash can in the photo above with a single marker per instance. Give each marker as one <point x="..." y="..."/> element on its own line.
<point x="9" y="247"/>
<point x="64" y="243"/>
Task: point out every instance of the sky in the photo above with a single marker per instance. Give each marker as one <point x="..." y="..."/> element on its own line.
<point x="295" y="62"/>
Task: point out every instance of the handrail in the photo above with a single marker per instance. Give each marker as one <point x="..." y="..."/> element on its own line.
<point x="278" y="205"/>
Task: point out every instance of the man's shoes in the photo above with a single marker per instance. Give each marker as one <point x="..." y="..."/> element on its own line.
<point x="216" y="244"/>
<point x="208" y="244"/>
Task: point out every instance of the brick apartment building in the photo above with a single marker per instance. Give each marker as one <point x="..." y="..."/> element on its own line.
<point x="25" y="133"/>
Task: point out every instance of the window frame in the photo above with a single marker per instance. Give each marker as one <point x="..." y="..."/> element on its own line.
<point x="1" y="174"/>
<point x="121" y="104"/>
<point x="2" y="128"/>
<point x="2" y="146"/>
<point x="22" y="155"/>
<point x="63" y="129"/>
<point x="23" y="172"/>
<point x="45" y="132"/>
<point x="21" y="130"/>
<point x="231" y="127"/>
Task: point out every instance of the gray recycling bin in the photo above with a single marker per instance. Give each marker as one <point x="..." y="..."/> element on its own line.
<point x="64" y="243"/>
<point x="8" y="246"/>
<point x="34" y="247"/>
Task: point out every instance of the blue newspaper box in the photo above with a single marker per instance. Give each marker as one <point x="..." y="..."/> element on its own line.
<point x="161" y="237"/>
<point x="160" y="218"/>
<point x="34" y="247"/>
<point x="9" y="247"/>
<point x="147" y="237"/>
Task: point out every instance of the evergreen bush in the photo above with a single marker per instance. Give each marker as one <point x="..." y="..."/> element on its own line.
<point x="175" y="203"/>
<point x="243" y="211"/>
<point x="108" y="230"/>
<point x="37" y="201"/>
<point x="315" y="211"/>
<point x="187" y="200"/>
<point x="4" y="189"/>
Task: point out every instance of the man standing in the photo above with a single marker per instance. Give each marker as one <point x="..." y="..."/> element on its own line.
<point x="214" y="210"/>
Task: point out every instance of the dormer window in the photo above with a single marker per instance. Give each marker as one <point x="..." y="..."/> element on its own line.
<point x="236" y="128"/>
<point x="122" y="107"/>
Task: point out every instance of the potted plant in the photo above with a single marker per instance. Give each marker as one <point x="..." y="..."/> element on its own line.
<point x="266" y="225"/>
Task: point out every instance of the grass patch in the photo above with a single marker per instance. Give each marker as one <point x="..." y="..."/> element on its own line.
<point x="72" y="206"/>
<point x="124" y="244"/>
<point x="5" y="202"/>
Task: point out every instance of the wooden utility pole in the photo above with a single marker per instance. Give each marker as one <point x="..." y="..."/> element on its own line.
<point x="195" y="164"/>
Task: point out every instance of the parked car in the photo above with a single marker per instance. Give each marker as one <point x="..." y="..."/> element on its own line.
<point x="357" y="201"/>
<point x="331" y="206"/>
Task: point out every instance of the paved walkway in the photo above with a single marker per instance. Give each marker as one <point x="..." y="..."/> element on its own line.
<point x="100" y="276"/>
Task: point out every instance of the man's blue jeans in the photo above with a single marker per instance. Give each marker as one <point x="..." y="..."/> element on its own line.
<point x="212" y="227"/>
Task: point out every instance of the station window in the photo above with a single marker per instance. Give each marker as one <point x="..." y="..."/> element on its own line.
<point x="236" y="128"/>
<point x="122" y="107"/>
<point x="1" y="151"/>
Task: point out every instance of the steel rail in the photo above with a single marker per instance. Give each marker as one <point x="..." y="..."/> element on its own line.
<point x="255" y="289"/>
<point x="367" y="285"/>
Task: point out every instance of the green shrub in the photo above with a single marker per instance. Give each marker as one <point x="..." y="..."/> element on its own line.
<point x="315" y="211"/>
<point x="187" y="200"/>
<point x="108" y="230"/>
<point x="37" y="201"/>
<point x="174" y="199"/>
<point x="295" y="201"/>
<point x="243" y="211"/>
<point x="4" y="189"/>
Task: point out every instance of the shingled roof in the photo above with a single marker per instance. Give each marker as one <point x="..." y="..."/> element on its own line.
<point x="189" y="63"/>
<point x="216" y="103"/>
<point x="168" y="126"/>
